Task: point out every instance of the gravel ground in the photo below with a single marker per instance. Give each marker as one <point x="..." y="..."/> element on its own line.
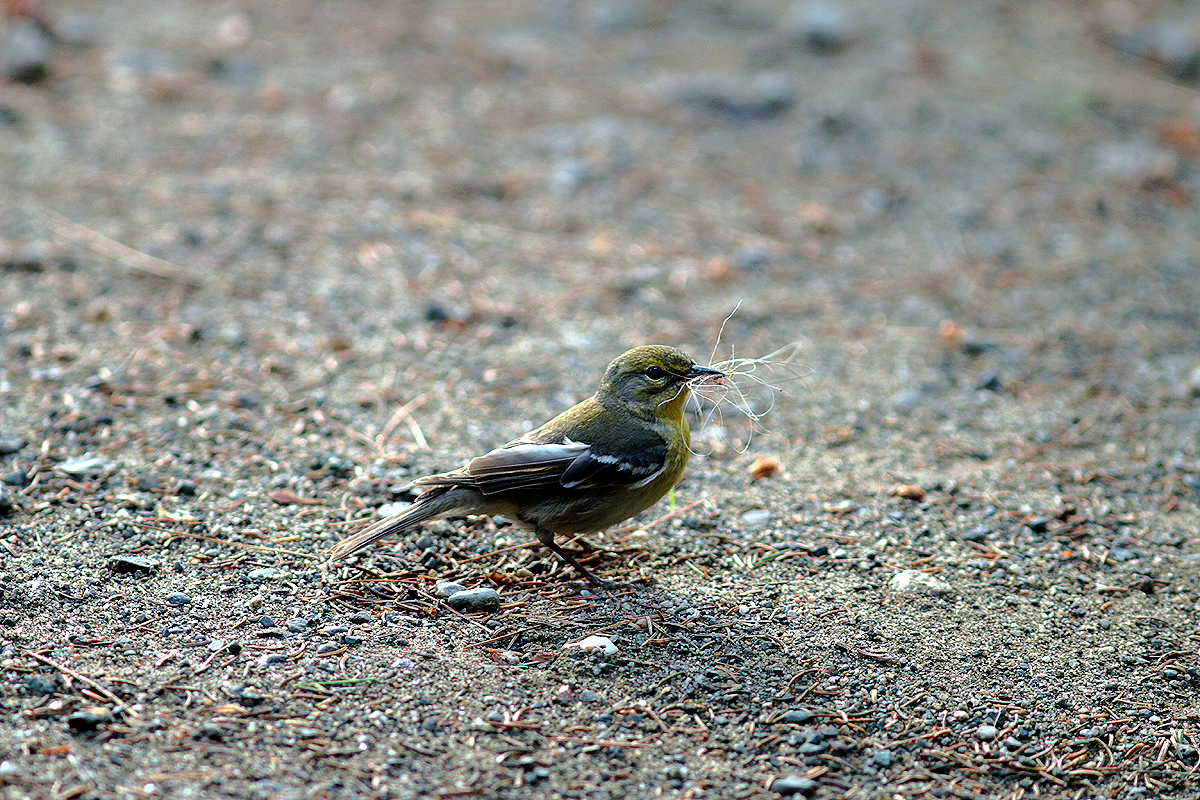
<point x="262" y="264"/>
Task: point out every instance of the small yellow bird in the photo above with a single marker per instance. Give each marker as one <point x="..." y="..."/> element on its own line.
<point x="598" y="463"/>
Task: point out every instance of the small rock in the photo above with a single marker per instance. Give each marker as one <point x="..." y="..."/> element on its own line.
<point x="26" y="51"/>
<point x="444" y="589"/>
<point x="88" y="720"/>
<point x="979" y="534"/>
<point x="989" y="382"/>
<point x="41" y="685"/>
<point x="822" y="27"/>
<point x="266" y="622"/>
<point x="267" y="659"/>
<point x="908" y="491"/>
<point x="594" y="644"/>
<point x="472" y="600"/>
<point x="756" y="517"/>
<point x="7" y="505"/>
<point x="126" y="565"/>
<point x="267" y="574"/>
<point x="296" y="625"/>
<point x="10" y="444"/>
<point x="793" y="784"/>
<point x="764" y="467"/>
<point x="178" y="599"/>
<point x="911" y="581"/>
<point x="906" y="401"/>
<point x="1038" y="524"/>
<point x="87" y="465"/>
<point x="797" y="716"/>
<point x="882" y="758"/>
<point x="588" y="696"/>
<point x="986" y="733"/>
<point x="210" y="732"/>
<point x="1172" y="47"/>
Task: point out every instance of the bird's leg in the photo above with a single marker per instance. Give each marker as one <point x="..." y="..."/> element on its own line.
<point x="583" y="545"/>
<point x="546" y="537"/>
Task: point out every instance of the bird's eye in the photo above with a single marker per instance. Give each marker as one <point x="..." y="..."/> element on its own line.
<point x="656" y="373"/>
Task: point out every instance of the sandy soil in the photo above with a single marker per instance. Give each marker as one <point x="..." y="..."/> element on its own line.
<point x="262" y="264"/>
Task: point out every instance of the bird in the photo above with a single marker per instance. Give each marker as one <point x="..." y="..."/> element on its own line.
<point x="600" y="462"/>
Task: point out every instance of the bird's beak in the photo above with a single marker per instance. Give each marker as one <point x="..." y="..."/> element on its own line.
<point x="702" y="376"/>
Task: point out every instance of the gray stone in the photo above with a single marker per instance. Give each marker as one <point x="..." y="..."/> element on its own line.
<point x="472" y="600"/>
<point x="911" y="581"/>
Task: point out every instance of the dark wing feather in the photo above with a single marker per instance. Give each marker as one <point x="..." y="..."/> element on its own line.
<point x="593" y="470"/>
<point x="523" y="465"/>
<point x="568" y="464"/>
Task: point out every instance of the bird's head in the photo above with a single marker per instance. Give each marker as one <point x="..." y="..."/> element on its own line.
<point x="653" y="380"/>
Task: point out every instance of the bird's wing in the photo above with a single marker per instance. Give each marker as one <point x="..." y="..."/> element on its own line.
<point x="568" y="464"/>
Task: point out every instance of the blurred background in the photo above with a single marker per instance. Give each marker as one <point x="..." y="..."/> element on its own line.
<point x="262" y="263"/>
<point x="975" y="208"/>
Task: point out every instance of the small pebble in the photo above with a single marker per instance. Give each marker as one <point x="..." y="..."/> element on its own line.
<point x="797" y="716"/>
<point x="908" y="491"/>
<point x="987" y="733"/>
<point x="756" y="517"/>
<point x="822" y="27"/>
<point x="793" y="784"/>
<point x="178" y="599"/>
<point x="25" y="50"/>
<point x="82" y="721"/>
<point x="10" y="444"/>
<point x="588" y="696"/>
<point x="210" y="731"/>
<point x="444" y="589"/>
<point x="266" y="574"/>
<point x="296" y="625"/>
<point x="979" y="534"/>
<point x="85" y="466"/>
<point x="266" y="622"/>
<point x="123" y="565"/>
<point x="594" y="644"/>
<point x="764" y="467"/>
<point x="882" y="758"/>
<point x="911" y="581"/>
<point x="266" y="659"/>
<point x="40" y="685"/>
<point x="474" y="600"/>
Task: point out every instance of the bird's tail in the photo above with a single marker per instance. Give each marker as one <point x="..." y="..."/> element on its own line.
<point x="430" y="505"/>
